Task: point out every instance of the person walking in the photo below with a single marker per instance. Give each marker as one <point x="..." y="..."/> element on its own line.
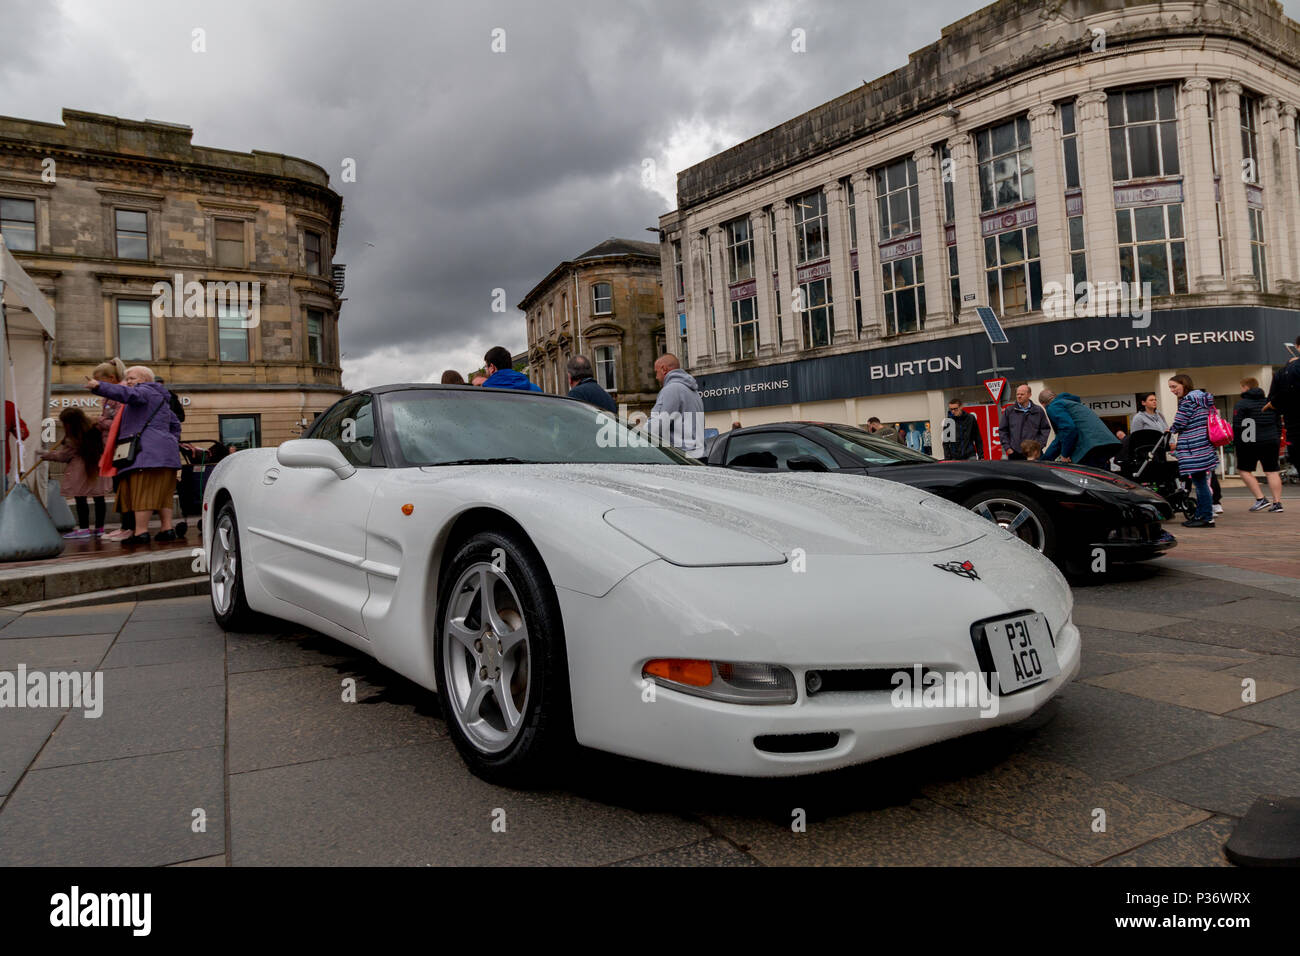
<point x="1081" y="437"/>
<point x="961" y="434"/>
<point x="500" y="374"/>
<point x="1284" y="398"/>
<point x="1196" y="455"/>
<point x="1256" y="439"/>
<point x="80" y="450"/>
<point x="1024" y="421"/>
<point x="149" y="476"/>
<point x="583" y="386"/>
<point x="1148" y="417"/>
<point x="677" y="418"/>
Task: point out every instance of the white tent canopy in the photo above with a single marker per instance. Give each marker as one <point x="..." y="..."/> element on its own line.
<point x="26" y="355"/>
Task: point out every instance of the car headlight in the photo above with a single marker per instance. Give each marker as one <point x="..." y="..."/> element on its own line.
<point x="735" y="682"/>
<point x="1098" y="482"/>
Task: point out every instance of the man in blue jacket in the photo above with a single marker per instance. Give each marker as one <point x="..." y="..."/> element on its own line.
<point x="584" y="387"/>
<point x="1081" y="436"/>
<point x="500" y="373"/>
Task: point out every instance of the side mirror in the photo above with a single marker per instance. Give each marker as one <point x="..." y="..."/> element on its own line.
<point x="314" y="453"/>
<point x="806" y="463"/>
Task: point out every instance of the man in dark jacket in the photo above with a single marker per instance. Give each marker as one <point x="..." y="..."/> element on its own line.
<point x="1284" y="398"/>
<point x="584" y="387"/>
<point x="500" y="373"/>
<point x="1255" y="435"/>
<point x="961" y="434"/>
<point x="1024" y="421"/>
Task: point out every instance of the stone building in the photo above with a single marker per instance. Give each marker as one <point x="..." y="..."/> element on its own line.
<point x="606" y="304"/>
<point x="212" y="267"/>
<point x="830" y="268"/>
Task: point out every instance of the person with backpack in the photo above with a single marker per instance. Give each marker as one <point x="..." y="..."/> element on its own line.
<point x="79" y="451"/>
<point x="1256" y="436"/>
<point x="1197" y="456"/>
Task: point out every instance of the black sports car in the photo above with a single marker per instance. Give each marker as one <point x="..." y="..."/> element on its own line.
<point x="1066" y="511"/>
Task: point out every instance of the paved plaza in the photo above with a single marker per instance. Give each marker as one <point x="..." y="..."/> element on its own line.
<point x="216" y="749"/>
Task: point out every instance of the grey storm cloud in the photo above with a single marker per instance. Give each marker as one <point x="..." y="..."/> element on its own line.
<point x="475" y="170"/>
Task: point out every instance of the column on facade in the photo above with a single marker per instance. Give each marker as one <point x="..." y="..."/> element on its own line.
<point x="933" y="248"/>
<point x="1198" y="188"/>
<point x="837" y="227"/>
<point x="864" y="199"/>
<point x="1287" y="198"/>
<point x="1277" y="194"/>
<point x="785" y="266"/>
<point x="668" y="283"/>
<point x="1098" y="189"/>
<point x="763" y="282"/>
<point x="697" y="303"/>
<point x="1053" y="224"/>
<point x="1236" y="214"/>
<point x="966" y="210"/>
<point x="720" y="337"/>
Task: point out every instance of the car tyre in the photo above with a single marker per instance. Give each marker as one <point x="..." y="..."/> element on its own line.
<point x="503" y="677"/>
<point x="226" y="574"/>
<point x="1031" y="522"/>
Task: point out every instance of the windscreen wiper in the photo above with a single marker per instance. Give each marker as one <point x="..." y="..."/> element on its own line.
<point x="486" y="461"/>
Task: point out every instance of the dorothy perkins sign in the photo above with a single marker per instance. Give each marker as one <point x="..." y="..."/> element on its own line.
<point x="1183" y="338"/>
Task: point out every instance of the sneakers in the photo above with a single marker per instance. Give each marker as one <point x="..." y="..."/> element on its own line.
<point x="1259" y="505"/>
<point x="1218" y="509"/>
<point x="1276" y="507"/>
<point x="1198" y="523"/>
<point x="99" y="532"/>
<point x="79" y="533"/>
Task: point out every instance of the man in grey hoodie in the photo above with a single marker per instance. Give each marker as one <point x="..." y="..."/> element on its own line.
<point x="678" y="415"/>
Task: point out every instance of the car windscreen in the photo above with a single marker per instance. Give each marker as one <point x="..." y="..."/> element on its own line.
<point x="463" y="426"/>
<point x="870" y="450"/>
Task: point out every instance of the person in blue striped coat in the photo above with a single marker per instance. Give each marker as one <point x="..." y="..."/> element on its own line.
<point x="1197" y="457"/>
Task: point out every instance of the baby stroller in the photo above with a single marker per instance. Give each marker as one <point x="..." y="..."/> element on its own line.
<point x="1144" y="458"/>
<point x="197" y="459"/>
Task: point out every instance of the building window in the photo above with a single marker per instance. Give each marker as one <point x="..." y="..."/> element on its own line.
<point x="18" y="224"/>
<point x="315" y="337"/>
<point x="1257" y="262"/>
<point x="818" y="313"/>
<point x="1151" y="247"/>
<point x="550" y="311"/>
<point x="683" y="346"/>
<point x="230" y="243"/>
<point x="564" y="307"/>
<point x="606" y="368"/>
<point x="679" y="274"/>
<point x="776" y="269"/>
<point x="232" y="334"/>
<point x="132" y="234"/>
<point x="1013" y="271"/>
<point x="857" y="300"/>
<point x="1143" y="133"/>
<point x="1006" y="164"/>
<point x="602" y="298"/>
<point x="810" y="227"/>
<point x="134" y="329"/>
<point x="946" y="173"/>
<point x="1250" y="138"/>
<point x="1078" y="247"/>
<point x="311" y="243"/>
<point x="532" y="329"/>
<point x="853" y="214"/>
<point x="240" y="431"/>
<point x="954" y="282"/>
<point x="744" y="328"/>
<point x="740" y="250"/>
<point x="1070" y="147"/>
<point x="904" y="284"/>
<point x="898" y="200"/>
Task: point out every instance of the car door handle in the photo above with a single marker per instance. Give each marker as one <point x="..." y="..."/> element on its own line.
<point x="270" y="476"/>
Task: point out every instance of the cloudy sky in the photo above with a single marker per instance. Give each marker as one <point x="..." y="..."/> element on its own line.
<point x="476" y="169"/>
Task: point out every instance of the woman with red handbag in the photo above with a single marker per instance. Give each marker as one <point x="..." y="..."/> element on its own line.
<point x="1197" y="456"/>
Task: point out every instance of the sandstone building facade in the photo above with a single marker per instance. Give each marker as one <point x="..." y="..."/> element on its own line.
<point x="830" y="268"/>
<point x="606" y="304"/>
<point x="212" y="267"/>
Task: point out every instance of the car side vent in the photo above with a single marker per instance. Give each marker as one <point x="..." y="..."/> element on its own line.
<point x="796" y="743"/>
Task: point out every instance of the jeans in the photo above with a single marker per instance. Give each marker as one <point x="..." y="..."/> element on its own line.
<point x="1204" y="497"/>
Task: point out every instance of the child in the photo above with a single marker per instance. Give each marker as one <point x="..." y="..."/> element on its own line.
<point x="1031" y="449"/>
<point x="114" y="372"/>
<point x="80" y="449"/>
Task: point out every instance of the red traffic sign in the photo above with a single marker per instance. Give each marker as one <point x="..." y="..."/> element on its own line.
<point x="996" y="387"/>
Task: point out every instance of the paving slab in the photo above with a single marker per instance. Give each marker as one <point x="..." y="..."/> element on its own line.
<point x="203" y="861"/>
<point x="1252" y="637"/>
<point x="133" y="725"/>
<point x="710" y="852"/>
<point x="1267" y="612"/>
<point x="1116" y="619"/>
<point x="297" y="714"/>
<point x="1142" y="649"/>
<point x="1188" y="600"/>
<point x="55" y="623"/>
<point x="65" y="651"/>
<point x="1054" y="807"/>
<point x="1201" y="845"/>
<point x="166" y="678"/>
<point x="1227" y="779"/>
<point x="417" y="806"/>
<point x="169" y="651"/>
<point x="1279" y="667"/>
<point x="257" y="652"/>
<point x="168" y="609"/>
<point x="1215" y="692"/>
<point x="1281" y="711"/>
<point x="132" y="812"/>
<point x="169" y="629"/>
<point x="23" y="732"/>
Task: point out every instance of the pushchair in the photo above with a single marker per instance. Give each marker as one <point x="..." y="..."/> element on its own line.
<point x="197" y="459"/>
<point x="1144" y="458"/>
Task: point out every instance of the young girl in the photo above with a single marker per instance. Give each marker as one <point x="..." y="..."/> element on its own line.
<point x="114" y="372"/>
<point x="80" y="449"/>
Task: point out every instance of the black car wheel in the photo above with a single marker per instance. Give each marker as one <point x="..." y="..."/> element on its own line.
<point x="1018" y="513"/>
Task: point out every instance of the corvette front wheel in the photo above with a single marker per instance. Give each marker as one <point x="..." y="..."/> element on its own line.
<point x="226" y="574"/>
<point x="502" y="673"/>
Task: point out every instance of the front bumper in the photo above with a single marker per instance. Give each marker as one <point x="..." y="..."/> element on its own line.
<point x="804" y="622"/>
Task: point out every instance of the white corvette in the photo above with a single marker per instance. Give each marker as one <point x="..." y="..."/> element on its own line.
<point x="557" y="579"/>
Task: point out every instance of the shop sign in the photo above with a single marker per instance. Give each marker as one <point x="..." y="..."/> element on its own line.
<point x="1113" y="404"/>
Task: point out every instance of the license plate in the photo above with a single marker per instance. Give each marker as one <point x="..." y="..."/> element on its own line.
<point x="1022" y="651"/>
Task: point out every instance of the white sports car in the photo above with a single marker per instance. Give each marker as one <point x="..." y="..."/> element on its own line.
<point x="557" y="578"/>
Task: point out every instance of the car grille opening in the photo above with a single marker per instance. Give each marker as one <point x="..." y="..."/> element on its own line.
<point x="856" y="680"/>
<point x="796" y="743"/>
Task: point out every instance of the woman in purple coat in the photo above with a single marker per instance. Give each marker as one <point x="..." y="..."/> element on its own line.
<point x="149" y="483"/>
